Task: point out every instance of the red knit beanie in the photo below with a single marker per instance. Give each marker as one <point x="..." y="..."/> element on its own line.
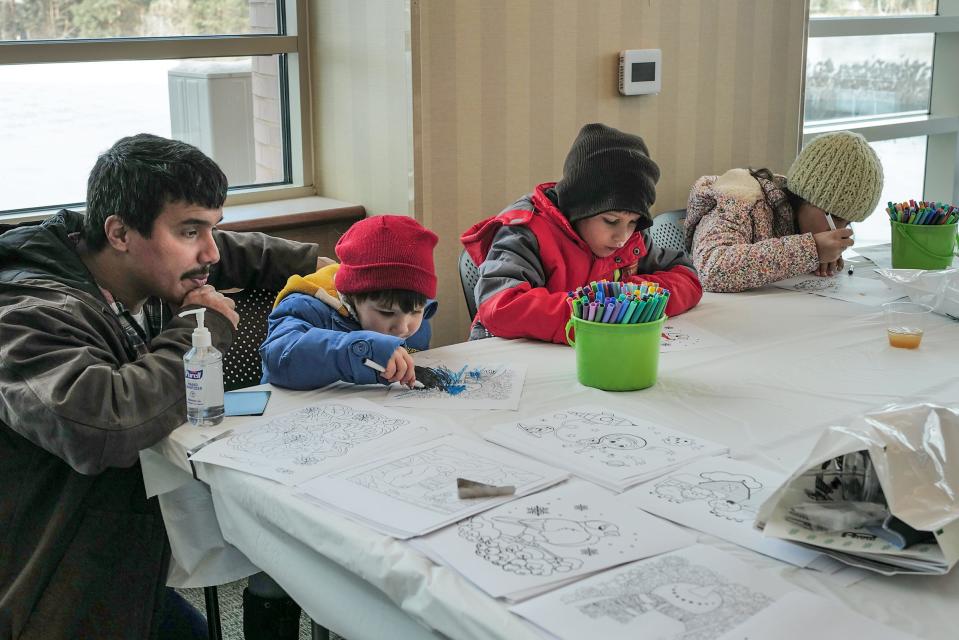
<point x="386" y="252"/>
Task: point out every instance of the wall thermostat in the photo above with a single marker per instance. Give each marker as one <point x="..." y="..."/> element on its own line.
<point x="640" y="71"/>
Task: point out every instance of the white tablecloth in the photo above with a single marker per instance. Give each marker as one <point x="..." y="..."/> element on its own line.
<point x="796" y="362"/>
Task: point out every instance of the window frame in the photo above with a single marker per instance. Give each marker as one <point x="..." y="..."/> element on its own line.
<point x="291" y="44"/>
<point x="940" y="125"/>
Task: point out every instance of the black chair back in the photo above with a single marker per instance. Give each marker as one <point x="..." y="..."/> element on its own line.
<point x="669" y="230"/>
<point x="469" y="276"/>
<point x="241" y="364"/>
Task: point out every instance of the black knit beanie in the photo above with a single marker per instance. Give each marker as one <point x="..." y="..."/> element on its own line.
<point x="606" y="170"/>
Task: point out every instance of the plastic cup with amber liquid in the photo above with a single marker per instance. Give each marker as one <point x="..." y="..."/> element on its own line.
<point x="905" y="323"/>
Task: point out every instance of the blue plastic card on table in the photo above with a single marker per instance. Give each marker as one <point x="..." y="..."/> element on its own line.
<point x="245" y="403"/>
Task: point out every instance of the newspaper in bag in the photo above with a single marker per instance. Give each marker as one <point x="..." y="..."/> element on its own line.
<point x="881" y="493"/>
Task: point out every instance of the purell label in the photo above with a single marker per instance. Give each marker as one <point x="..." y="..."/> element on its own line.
<point x="205" y="389"/>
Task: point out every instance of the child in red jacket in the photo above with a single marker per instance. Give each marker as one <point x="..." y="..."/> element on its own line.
<point x="591" y="225"/>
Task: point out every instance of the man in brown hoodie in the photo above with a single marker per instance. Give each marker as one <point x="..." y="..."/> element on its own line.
<point x="91" y="372"/>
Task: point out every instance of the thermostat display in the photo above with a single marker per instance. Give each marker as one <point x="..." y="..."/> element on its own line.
<point x="640" y="71"/>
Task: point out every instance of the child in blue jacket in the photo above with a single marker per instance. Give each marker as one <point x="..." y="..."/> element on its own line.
<point x="374" y="305"/>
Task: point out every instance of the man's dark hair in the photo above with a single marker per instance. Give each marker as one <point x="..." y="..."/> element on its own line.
<point x="407" y="301"/>
<point x="141" y="174"/>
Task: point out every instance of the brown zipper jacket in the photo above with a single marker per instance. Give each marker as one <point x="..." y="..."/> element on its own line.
<point x="83" y="552"/>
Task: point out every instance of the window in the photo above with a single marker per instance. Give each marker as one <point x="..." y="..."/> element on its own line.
<point x="882" y="68"/>
<point x="861" y="8"/>
<point x="904" y="164"/>
<point x="77" y="75"/>
<point x="856" y="77"/>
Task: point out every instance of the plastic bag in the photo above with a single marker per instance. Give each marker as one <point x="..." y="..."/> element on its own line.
<point x="912" y="452"/>
<point x="939" y="289"/>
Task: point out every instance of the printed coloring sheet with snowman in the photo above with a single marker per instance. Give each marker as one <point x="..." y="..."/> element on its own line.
<point x="695" y="593"/>
<point x="719" y="496"/>
<point x="531" y="545"/>
<point x="603" y="445"/>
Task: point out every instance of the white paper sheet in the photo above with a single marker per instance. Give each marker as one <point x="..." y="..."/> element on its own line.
<point x="302" y="444"/>
<point x="719" y="496"/>
<point x="478" y="386"/>
<point x="880" y="254"/>
<point x="695" y="593"/>
<point x="865" y="291"/>
<point x="606" y="446"/>
<point x="800" y="616"/>
<point x="681" y="335"/>
<point x="529" y="545"/>
<point x="413" y="491"/>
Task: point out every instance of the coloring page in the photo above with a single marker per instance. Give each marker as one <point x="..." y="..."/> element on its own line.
<point x="853" y="288"/>
<point x="465" y="386"/>
<point x="602" y="443"/>
<point x="695" y="593"/>
<point x="413" y="490"/>
<point x="427" y="479"/>
<point x="550" y="537"/>
<point x="681" y="336"/>
<point x="800" y="615"/>
<point x="302" y="444"/>
<point x="719" y="496"/>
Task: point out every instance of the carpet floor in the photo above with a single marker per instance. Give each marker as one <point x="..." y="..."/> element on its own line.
<point x="231" y="610"/>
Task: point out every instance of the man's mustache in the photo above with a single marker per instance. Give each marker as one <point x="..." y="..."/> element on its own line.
<point x="197" y="273"/>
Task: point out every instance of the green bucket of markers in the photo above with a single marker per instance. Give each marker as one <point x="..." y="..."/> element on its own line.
<point x="923" y="246"/>
<point x="615" y="357"/>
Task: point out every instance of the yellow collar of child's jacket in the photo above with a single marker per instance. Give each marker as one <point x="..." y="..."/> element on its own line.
<point x="319" y="285"/>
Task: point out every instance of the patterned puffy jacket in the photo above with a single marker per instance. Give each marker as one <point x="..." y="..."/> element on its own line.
<point x="741" y="233"/>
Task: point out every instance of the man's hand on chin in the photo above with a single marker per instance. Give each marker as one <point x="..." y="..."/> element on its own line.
<point x="207" y="296"/>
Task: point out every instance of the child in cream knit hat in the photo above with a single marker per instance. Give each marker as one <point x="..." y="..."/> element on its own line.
<point x="746" y="228"/>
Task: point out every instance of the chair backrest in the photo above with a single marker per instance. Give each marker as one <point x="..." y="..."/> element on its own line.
<point x="469" y="276"/>
<point x="241" y="364"/>
<point x="669" y="230"/>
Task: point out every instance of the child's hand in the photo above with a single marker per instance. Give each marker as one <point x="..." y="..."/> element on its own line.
<point x="830" y="268"/>
<point x="830" y="245"/>
<point x="400" y="368"/>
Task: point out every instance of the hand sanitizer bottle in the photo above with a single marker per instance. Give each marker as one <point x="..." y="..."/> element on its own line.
<point x="203" y="366"/>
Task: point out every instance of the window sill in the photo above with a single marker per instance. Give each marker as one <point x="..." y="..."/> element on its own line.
<point x="877" y="129"/>
<point x="288" y="214"/>
<point x="881" y="25"/>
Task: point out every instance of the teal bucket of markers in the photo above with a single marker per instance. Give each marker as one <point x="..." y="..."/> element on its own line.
<point x="615" y="357"/>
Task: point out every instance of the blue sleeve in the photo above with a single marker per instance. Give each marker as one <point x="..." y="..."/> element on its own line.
<point x="305" y="350"/>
